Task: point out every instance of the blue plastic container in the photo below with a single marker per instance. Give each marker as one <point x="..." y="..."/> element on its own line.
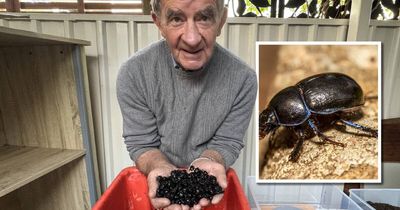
<point x="386" y="196"/>
<point x="297" y="196"/>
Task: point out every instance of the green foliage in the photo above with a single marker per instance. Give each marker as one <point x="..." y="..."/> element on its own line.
<point x="304" y="8"/>
<point x="251" y="8"/>
<point x="387" y="14"/>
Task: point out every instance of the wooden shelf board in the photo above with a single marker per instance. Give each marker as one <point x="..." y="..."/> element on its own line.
<point x="22" y="165"/>
<point x="15" y="37"/>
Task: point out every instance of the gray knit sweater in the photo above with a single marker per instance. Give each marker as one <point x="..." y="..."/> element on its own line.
<point x="182" y="112"/>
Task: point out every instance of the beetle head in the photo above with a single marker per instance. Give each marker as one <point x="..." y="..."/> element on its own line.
<point x="267" y="122"/>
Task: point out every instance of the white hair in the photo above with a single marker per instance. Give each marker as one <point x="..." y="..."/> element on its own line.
<point x="156" y="6"/>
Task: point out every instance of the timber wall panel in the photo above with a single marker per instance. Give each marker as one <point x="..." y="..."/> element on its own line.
<point x="389" y="35"/>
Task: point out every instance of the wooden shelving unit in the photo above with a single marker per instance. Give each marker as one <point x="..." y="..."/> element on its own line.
<point x="19" y="171"/>
<point x="45" y="126"/>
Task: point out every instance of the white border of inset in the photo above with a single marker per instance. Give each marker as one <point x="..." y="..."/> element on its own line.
<point x="375" y="43"/>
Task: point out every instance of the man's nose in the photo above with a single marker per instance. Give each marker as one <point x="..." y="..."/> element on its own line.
<point x="191" y="35"/>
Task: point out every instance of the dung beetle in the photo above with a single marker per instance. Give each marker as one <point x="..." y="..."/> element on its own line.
<point x="298" y="107"/>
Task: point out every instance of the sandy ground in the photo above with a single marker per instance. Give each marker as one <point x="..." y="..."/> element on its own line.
<point x="359" y="158"/>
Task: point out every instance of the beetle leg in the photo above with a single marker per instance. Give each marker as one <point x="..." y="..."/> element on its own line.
<point x="261" y="133"/>
<point x="316" y="124"/>
<point x="273" y="133"/>
<point x="294" y="155"/>
<point x="321" y="135"/>
<point x="271" y="138"/>
<point x="360" y="127"/>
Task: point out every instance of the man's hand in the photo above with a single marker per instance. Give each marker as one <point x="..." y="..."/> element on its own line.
<point x="162" y="203"/>
<point x="153" y="185"/>
<point x="216" y="169"/>
<point x="153" y="163"/>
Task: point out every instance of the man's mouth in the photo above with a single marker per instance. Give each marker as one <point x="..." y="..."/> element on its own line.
<point x="192" y="51"/>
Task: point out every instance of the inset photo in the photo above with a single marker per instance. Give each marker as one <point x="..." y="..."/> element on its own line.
<point x="319" y="112"/>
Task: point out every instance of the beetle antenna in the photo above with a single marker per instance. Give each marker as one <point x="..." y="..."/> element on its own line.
<point x="372" y="131"/>
<point x="374" y="97"/>
<point x="369" y="96"/>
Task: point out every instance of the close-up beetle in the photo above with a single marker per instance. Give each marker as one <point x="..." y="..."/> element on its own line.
<point x="298" y="107"/>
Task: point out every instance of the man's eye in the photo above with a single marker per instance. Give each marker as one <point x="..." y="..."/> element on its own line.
<point x="204" y="18"/>
<point x="176" y="19"/>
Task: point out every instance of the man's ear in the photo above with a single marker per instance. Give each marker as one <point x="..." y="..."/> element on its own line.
<point x="223" y="20"/>
<point x="157" y="21"/>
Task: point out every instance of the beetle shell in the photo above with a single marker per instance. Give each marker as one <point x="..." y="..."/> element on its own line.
<point x="289" y="107"/>
<point x="320" y="94"/>
<point x="330" y="92"/>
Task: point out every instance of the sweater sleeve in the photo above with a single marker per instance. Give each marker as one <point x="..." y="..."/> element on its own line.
<point x="139" y="123"/>
<point x="228" y="139"/>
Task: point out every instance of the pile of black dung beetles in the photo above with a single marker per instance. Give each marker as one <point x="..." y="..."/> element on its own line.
<point x="382" y="206"/>
<point x="188" y="188"/>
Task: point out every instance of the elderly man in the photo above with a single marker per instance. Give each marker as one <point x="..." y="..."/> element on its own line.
<point x="185" y="99"/>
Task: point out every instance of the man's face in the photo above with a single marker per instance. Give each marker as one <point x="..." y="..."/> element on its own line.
<point x="190" y="28"/>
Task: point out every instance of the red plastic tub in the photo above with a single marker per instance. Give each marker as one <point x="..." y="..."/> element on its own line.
<point x="129" y="190"/>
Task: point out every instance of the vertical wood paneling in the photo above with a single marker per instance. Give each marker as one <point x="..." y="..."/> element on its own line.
<point x="330" y="33"/>
<point x="372" y="31"/>
<point x="103" y="144"/>
<point x="326" y="33"/>
<point x="242" y="44"/>
<point x="132" y="35"/>
<point x="4" y="23"/>
<point x="222" y="39"/>
<point x="312" y="32"/>
<point x="118" y="52"/>
<point x="20" y="24"/>
<point x="146" y="34"/>
<point x="110" y="158"/>
<point x="341" y="33"/>
<point x="36" y="26"/>
<point x="68" y="29"/>
<point x="283" y="32"/>
<point x="393" y="106"/>
<point x="298" y="32"/>
<point x="388" y="36"/>
<point x="269" y="32"/>
<point x="52" y="27"/>
<point x="246" y="161"/>
<point x="253" y="38"/>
